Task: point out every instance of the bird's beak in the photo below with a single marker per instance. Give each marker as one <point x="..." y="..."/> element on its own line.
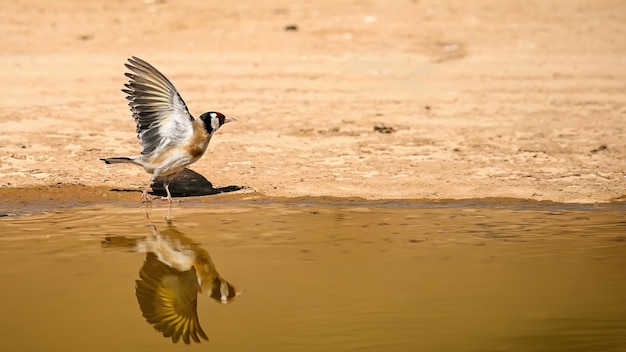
<point x="229" y="119"/>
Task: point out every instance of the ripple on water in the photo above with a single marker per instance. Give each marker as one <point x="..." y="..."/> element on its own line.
<point x="318" y="277"/>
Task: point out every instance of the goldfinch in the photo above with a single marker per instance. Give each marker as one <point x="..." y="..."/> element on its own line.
<point x="171" y="139"/>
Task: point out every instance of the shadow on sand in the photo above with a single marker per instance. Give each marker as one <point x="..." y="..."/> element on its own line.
<point x="186" y="183"/>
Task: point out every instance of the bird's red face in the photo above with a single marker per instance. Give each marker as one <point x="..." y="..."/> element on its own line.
<point x="213" y="120"/>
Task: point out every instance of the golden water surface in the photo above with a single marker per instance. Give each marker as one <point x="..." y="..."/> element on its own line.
<point x="362" y="277"/>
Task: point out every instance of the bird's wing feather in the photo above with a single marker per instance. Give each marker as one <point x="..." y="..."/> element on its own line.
<point x="158" y="109"/>
<point x="168" y="300"/>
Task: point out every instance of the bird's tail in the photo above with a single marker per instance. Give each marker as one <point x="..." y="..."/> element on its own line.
<point x="119" y="160"/>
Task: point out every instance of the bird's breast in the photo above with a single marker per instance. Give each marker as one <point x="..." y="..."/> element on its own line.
<point x="198" y="142"/>
<point x="196" y="150"/>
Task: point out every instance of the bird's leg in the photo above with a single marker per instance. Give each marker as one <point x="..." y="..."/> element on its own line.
<point x="166" y="185"/>
<point x="144" y="195"/>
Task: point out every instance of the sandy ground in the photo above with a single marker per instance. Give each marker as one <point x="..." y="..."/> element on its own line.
<point x="377" y="99"/>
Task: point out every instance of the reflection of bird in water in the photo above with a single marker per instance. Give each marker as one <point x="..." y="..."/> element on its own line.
<point x="175" y="270"/>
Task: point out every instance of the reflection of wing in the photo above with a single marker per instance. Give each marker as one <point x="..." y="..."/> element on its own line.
<point x="168" y="300"/>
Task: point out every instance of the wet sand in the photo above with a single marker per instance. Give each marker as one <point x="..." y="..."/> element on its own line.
<point x="421" y="100"/>
<point x="18" y="201"/>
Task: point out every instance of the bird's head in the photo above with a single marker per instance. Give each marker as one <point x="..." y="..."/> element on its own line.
<point x="222" y="291"/>
<point x="213" y="120"/>
<point x="210" y="280"/>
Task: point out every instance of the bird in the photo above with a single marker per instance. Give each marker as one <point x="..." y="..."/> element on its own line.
<point x="170" y="137"/>
<point x="175" y="270"/>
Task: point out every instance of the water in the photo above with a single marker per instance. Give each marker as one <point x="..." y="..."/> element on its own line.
<point x="349" y="277"/>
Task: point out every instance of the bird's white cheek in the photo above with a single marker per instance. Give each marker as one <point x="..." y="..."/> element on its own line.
<point x="215" y="123"/>
<point x="224" y="292"/>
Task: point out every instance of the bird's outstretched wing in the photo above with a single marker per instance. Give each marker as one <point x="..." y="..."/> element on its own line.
<point x="168" y="300"/>
<point x="160" y="113"/>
